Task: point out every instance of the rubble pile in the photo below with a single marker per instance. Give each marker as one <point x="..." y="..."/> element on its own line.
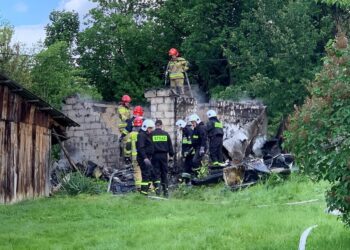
<point x="117" y="180"/>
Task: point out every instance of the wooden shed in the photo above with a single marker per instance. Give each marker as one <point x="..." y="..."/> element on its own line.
<point x="26" y="125"/>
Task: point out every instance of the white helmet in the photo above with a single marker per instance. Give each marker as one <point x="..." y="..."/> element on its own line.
<point x="148" y="123"/>
<point x="180" y="123"/>
<point x="211" y="113"/>
<point x="194" y="118"/>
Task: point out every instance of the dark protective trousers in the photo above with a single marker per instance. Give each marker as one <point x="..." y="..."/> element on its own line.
<point x="215" y="148"/>
<point x="146" y="171"/>
<point x="188" y="164"/>
<point x="197" y="159"/>
<point x="160" y="168"/>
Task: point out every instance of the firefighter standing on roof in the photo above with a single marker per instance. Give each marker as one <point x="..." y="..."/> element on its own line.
<point x="130" y="151"/>
<point x="145" y="151"/>
<point x="199" y="140"/>
<point x="176" y="68"/>
<point x="187" y="150"/>
<point x="215" y="134"/>
<point x="162" y="147"/>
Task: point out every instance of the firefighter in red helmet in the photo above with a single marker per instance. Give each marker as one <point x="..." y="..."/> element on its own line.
<point x="176" y="68"/>
<point x="123" y="111"/>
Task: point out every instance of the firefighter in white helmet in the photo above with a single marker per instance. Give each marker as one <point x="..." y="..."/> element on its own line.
<point x="145" y="152"/>
<point x="199" y="140"/>
<point x="215" y="135"/>
<point x="187" y="150"/>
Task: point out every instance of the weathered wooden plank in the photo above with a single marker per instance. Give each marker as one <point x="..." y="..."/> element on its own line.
<point x="9" y="192"/>
<point x="2" y="162"/>
<point x="21" y="162"/>
<point x="4" y="103"/>
<point x="1" y="99"/>
<point x="14" y="148"/>
<point x="48" y="162"/>
<point x="10" y="106"/>
<point x="29" y="188"/>
<point x="36" y="160"/>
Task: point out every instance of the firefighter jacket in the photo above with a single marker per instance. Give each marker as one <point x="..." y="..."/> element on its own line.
<point x="162" y="142"/>
<point x="177" y="67"/>
<point x="144" y="145"/>
<point x="187" y="139"/>
<point x="199" y="136"/>
<point x="130" y="145"/>
<point x="214" y="127"/>
<point x="124" y="114"/>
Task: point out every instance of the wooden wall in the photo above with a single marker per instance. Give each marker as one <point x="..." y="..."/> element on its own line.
<point x="25" y="143"/>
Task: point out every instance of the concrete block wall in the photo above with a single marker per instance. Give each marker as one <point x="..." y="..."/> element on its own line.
<point x="97" y="137"/>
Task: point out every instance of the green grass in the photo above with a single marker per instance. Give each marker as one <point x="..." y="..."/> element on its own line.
<point x="197" y="218"/>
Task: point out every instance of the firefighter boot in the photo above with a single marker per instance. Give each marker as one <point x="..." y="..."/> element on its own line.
<point x="157" y="187"/>
<point x="165" y="190"/>
<point x="144" y="188"/>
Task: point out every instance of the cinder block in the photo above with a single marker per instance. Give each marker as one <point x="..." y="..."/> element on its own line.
<point x="163" y="92"/>
<point x="78" y="106"/>
<point x="90" y="119"/>
<point x="158" y="100"/>
<point x="71" y="100"/>
<point x="169" y="100"/>
<point x="169" y="114"/>
<point x="151" y="94"/>
<point x="95" y="125"/>
<point x="164" y="107"/>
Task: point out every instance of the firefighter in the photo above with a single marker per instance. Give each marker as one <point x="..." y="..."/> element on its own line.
<point x="137" y="112"/>
<point x="130" y="151"/>
<point x="199" y="140"/>
<point x="187" y="150"/>
<point x="162" y="148"/>
<point x="123" y="112"/>
<point x="145" y="149"/>
<point x="176" y="68"/>
<point x="215" y="135"/>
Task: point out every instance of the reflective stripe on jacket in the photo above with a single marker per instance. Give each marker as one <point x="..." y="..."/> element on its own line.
<point x="214" y="127"/>
<point x="162" y="142"/>
<point x="130" y="145"/>
<point x="124" y="114"/>
<point x="176" y="68"/>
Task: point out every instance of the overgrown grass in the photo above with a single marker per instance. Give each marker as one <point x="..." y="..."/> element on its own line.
<point x="194" y="218"/>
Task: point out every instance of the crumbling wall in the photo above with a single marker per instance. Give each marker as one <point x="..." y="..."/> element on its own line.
<point x="243" y="122"/>
<point x="97" y="137"/>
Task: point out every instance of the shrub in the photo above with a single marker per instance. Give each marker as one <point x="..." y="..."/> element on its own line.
<point x="76" y="183"/>
<point x="319" y="131"/>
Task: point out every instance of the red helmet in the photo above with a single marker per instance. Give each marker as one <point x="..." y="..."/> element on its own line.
<point x="126" y="99"/>
<point x="138" y="121"/>
<point x="138" y="111"/>
<point x="173" y="52"/>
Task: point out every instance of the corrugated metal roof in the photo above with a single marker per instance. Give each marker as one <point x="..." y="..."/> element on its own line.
<point x="37" y="101"/>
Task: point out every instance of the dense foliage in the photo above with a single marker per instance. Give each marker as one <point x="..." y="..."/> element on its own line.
<point x="12" y="61"/>
<point x="55" y="76"/>
<point x="319" y="131"/>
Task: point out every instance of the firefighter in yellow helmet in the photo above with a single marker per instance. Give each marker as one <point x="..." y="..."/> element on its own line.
<point x="176" y="68"/>
<point x="130" y="151"/>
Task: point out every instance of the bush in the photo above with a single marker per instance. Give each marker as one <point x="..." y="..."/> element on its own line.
<point x="76" y="183"/>
<point x="319" y="131"/>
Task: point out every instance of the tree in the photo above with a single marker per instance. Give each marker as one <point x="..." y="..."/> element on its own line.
<point x="318" y="133"/>
<point x="55" y="76"/>
<point x="12" y="62"/>
<point x="64" y="26"/>
<point x="274" y="51"/>
<point x="119" y="53"/>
